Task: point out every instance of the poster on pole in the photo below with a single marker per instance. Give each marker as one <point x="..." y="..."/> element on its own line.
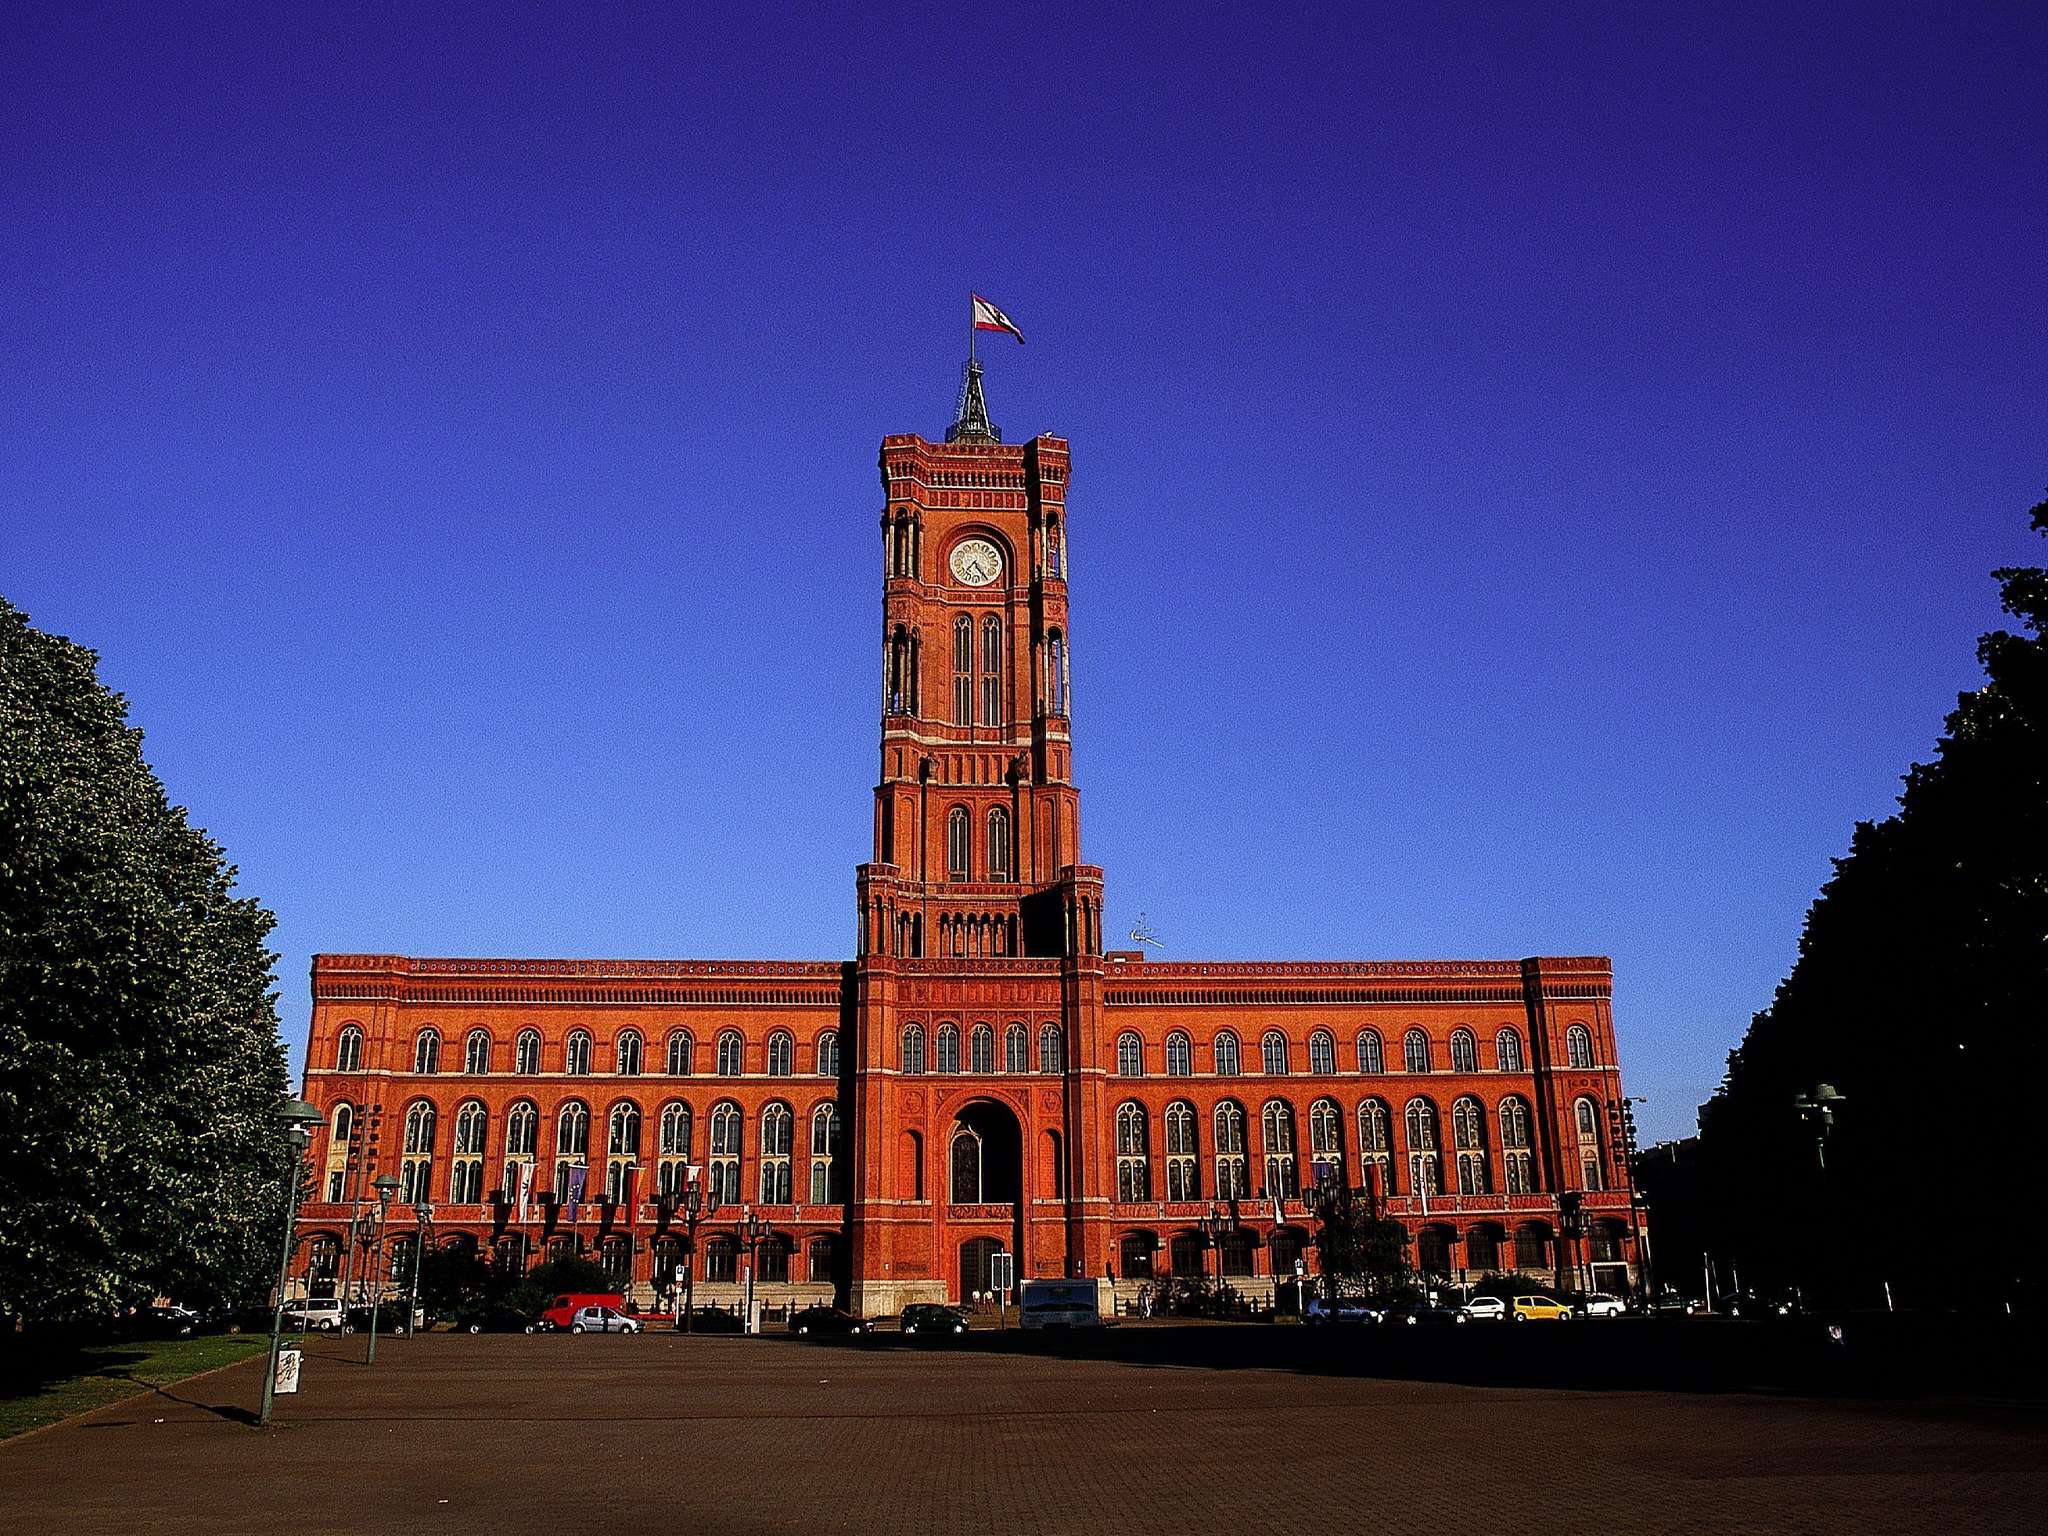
<point x="287" y="1379"/>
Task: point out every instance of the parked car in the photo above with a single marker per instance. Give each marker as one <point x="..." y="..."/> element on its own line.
<point x="1750" y="1304"/>
<point x="1345" y="1309"/>
<point x="602" y="1320"/>
<point x="927" y="1318"/>
<point x="322" y="1314"/>
<point x="1600" y="1304"/>
<point x="1540" y="1309"/>
<point x="715" y="1320"/>
<point x="493" y="1317"/>
<point x="1487" y="1309"/>
<point x="1423" y="1313"/>
<point x="823" y="1320"/>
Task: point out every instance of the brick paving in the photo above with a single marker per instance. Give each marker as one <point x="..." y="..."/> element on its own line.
<point x="508" y="1434"/>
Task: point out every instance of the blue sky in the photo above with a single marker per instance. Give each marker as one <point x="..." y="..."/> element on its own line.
<point x="1536" y="469"/>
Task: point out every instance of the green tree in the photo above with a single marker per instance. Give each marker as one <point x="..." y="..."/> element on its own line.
<point x="1918" y="993"/>
<point x="1357" y="1250"/>
<point x="140" y="1066"/>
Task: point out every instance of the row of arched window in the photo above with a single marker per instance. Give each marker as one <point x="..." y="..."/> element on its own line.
<point x="981" y="1049"/>
<point x="628" y="1053"/>
<point x="526" y="1176"/>
<point x="997" y="861"/>
<point x="1414" y="1165"/>
<point x="1417" y="1052"/>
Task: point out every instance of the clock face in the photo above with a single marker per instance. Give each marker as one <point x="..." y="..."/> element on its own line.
<point x="976" y="562"/>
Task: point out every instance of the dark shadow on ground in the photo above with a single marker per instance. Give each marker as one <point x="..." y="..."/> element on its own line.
<point x="1875" y="1355"/>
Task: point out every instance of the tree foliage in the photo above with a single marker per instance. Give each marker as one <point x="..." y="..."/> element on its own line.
<point x="1358" y="1250"/>
<point x="140" y="1065"/>
<point x="1918" y="989"/>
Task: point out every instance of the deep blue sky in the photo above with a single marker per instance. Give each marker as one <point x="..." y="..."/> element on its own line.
<point x="1536" y="468"/>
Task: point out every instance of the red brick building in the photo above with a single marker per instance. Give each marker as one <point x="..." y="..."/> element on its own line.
<point x="982" y="1076"/>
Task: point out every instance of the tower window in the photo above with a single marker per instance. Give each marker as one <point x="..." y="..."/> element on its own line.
<point x="982" y="1052"/>
<point x="998" y="843"/>
<point x="991" y="671"/>
<point x="1578" y="1046"/>
<point x="957" y="840"/>
<point x="348" y="1051"/>
<point x="963" y="670"/>
<point x="1016" y="1049"/>
<point x="1056" y="674"/>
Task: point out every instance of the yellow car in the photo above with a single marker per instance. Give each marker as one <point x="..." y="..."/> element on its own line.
<point x="1542" y="1308"/>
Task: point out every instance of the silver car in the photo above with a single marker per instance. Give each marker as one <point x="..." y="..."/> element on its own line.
<point x="602" y="1320"/>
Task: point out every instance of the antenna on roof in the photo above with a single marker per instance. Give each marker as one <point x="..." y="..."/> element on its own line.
<point x="1141" y="933"/>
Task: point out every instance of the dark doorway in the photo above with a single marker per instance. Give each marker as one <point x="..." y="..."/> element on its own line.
<point x="977" y="1259"/>
<point x="987" y="1157"/>
<point x="1134" y="1256"/>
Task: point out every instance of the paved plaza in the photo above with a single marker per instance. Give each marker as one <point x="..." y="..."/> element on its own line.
<point x="507" y="1434"/>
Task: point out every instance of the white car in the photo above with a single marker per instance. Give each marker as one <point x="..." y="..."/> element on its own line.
<point x="322" y="1314"/>
<point x="1487" y="1309"/>
<point x="602" y="1320"/>
<point x="1600" y="1304"/>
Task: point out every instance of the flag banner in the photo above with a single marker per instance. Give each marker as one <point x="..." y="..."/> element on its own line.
<point x="577" y="1175"/>
<point x="631" y="1177"/>
<point x="988" y="318"/>
<point x="1279" y="1219"/>
<point x="525" y="1189"/>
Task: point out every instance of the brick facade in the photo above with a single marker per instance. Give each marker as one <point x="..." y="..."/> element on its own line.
<point x="981" y="1074"/>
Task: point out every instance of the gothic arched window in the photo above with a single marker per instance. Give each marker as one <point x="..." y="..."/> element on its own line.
<point x="1051" y="1052"/>
<point x="476" y="1058"/>
<point x="1464" y="1051"/>
<point x="1276" y="1121"/>
<point x="958" y="840"/>
<point x="828" y="1053"/>
<point x="1516" y="1158"/>
<point x="949" y="1048"/>
<point x="1507" y="1051"/>
<point x="674" y="1148"/>
<point x="1133" y="1156"/>
<point x="991" y="671"/>
<point x="1231" y="1183"/>
<point x="526" y="1052"/>
<point x="416" y="1171"/>
<point x="998" y="843"/>
<point x="1468" y="1136"/>
<point x="426" y="1051"/>
<point x="1226" y="1054"/>
<point x="1592" y="1166"/>
<point x="982" y="1053"/>
<point x="578" y="1055"/>
<point x="348" y="1050"/>
<point x="776" y="1127"/>
<point x="963" y="670"/>
<point x="681" y="1048"/>
<point x="825" y="1188"/>
<point x="1415" y="1051"/>
<point x="1273" y="1053"/>
<point x="466" y="1178"/>
<point x="725" y="1154"/>
<point x="1578" y="1046"/>
<point x="1370" y="1057"/>
<point x="1130" y="1055"/>
<point x="731" y="1054"/>
<point x="627" y="1053"/>
<point x="1180" y="1056"/>
<point x="781" y="1054"/>
<point x="913" y="1048"/>
<point x="1016" y="1049"/>
<point x="1183" y="1165"/>
<point x="1375" y="1147"/>
<point x="1422" y="1146"/>
<point x="1322" y="1053"/>
<point x="1325" y="1142"/>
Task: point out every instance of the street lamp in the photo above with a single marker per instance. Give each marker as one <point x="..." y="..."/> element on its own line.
<point x="423" y="1214"/>
<point x="1817" y="1109"/>
<point x="298" y="1118"/>
<point x="693" y="1212"/>
<point x="753" y="1232"/>
<point x="386" y="1187"/>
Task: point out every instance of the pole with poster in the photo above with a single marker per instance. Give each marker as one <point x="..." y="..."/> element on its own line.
<point x="1002" y="1274"/>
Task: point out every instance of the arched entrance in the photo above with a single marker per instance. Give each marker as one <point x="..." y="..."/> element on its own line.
<point x="985" y="1189"/>
<point x="977" y="1263"/>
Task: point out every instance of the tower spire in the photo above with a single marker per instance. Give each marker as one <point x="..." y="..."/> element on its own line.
<point x="971" y="423"/>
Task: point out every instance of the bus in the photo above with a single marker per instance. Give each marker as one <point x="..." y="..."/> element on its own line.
<point x="1059" y="1304"/>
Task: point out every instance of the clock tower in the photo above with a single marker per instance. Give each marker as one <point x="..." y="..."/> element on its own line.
<point x="977" y="919"/>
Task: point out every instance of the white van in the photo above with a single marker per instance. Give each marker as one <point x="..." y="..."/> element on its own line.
<point x="321" y="1313"/>
<point x="1059" y="1304"/>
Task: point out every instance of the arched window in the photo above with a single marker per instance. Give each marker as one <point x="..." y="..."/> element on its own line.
<point x="781" y="1054"/>
<point x="1482" y="1247"/>
<point x="725" y="1154"/>
<point x="949" y="1047"/>
<point x="1226" y="1054"/>
<point x="476" y="1058"/>
<point x="1051" y="1050"/>
<point x="731" y="1054"/>
<point x="1370" y="1057"/>
<point x="1532" y="1246"/>
<point x="348" y="1050"/>
<point x="1516" y="1159"/>
<point x="896" y="692"/>
<point x="1464" y="1051"/>
<point x="1415" y="1051"/>
<point x="1507" y="1051"/>
<point x="1056" y="673"/>
<point x="1375" y="1147"/>
<point x="1183" y="1164"/>
<point x="526" y="1053"/>
<point x="828" y="1053"/>
<point x="1276" y="1121"/>
<point x="1326" y="1142"/>
<point x="1231" y="1183"/>
<point x="578" y="1056"/>
<point x="622" y="1150"/>
<point x="825" y="1186"/>
<point x="1468" y="1137"/>
<point x="466" y="1176"/>
<point x="957" y="841"/>
<point x="416" y="1169"/>
<point x="1016" y="1049"/>
<point x="1130" y="1055"/>
<point x="522" y="1144"/>
<point x="626" y="1052"/>
<point x="998" y="843"/>
<point x="341" y="1132"/>
<point x="1133" y="1155"/>
<point x="991" y="671"/>
<point x="674" y="1148"/>
<point x="1423" y="1167"/>
<point x="721" y="1260"/>
<point x="913" y="1048"/>
<point x="572" y="1144"/>
<point x="1592" y="1166"/>
<point x="681" y="1050"/>
<point x="964" y="1186"/>
<point x="982" y="1054"/>
<point x="1578" y="1046"/>
<point x="1180" y="1056"/>
<point x="963" y="670"/>
<point x="426" y="1051"/>
<point x="776" y="1135"/>
<point x="1273" y="1053"/>
<point x="1322" y="1053"/>
<point x="1055" y="551"/>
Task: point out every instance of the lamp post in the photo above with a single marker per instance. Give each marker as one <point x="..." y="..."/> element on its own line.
<point x="1817" y="1110"/>
<point x="423" y="1214"/>
<point x="386" y="1187"/>
<point x="693" y="1212"/>
<point x="753" y="1232"/>
<point x="298" y="1118"/>
<point x="1327" y="1199"/>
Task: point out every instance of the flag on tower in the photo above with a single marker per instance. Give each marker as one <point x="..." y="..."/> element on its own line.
<point x="988" y="318"/>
